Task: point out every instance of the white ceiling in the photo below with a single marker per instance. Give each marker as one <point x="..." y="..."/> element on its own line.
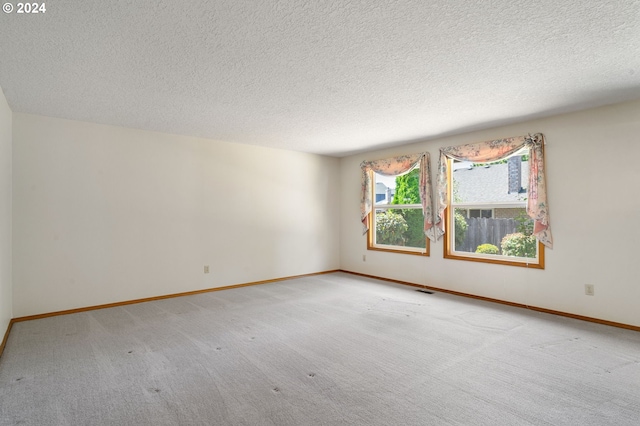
<point x="328" y="77"/>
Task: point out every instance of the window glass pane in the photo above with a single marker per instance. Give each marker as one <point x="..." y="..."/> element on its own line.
<point x="400" y="227"/>
<point x="502" y="230"/>
<point x="385" y="189"/>
<point x="504" y="181"/>
<point x="400" y="189"/>
<point x="507" y="234"/>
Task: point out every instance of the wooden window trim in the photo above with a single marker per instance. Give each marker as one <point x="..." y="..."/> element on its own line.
<point x="448" y="254"/>
<point x="372" y="229"/>
<point x="370" y="246"/>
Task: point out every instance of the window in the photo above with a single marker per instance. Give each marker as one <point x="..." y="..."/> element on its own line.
<point x="484" y="202"/>
<point x="397" y="220"/>
<point x="396" y="204"/>
<point x="486" y="213"/>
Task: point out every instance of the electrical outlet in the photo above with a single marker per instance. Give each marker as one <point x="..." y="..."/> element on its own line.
<point x="364" y="257"/>
<point x="206" y="269"/>
<point x="589" y="289"/>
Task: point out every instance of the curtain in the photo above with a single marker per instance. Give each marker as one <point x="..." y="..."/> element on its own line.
<point x="392" y="167"/>
<point x="537" y="206"/>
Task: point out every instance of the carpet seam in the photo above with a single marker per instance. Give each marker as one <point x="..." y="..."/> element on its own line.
<point x="229" y="287"/>
<point x="503" y="302"/>
<point x="166" y="296"/>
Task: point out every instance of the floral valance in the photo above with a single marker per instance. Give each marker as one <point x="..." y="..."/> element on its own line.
<point x="396" y="166"/>
<point x="537" y="206"/>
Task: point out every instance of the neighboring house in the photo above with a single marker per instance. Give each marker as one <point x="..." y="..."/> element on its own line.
<point x="384" y="194"/>
<point x="492" y="191"/>
<point x="495" y="192"/>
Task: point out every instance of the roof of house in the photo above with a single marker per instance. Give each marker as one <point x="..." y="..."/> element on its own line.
<point x="381" y="188"/>
<point x="489" y="184"/>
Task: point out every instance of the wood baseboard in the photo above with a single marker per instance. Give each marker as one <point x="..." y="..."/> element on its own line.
<point x="209" y="290"/>
<point x="503" y="302"/>
<point x="6" y="337"/>
<point x="166" y="296"/>
<point x="146" y="299"/>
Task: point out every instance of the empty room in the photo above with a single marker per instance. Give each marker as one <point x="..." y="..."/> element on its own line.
<point x="319" y="213"/>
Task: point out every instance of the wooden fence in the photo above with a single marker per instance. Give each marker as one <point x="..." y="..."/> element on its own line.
<point x="486" y="231"/>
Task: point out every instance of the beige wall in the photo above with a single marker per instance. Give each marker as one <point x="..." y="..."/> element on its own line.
<point x="104" y="214"/>
<point x="5" y="215"/>
<point x="591" y="159"/>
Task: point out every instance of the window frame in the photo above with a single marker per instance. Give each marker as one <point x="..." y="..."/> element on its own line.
<point x="371" y="245"/>
<point x="448" y="246"/>
<point x="471" y="206"/>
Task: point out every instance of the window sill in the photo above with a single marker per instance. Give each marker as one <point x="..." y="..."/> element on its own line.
<point x="416" y="251"/>
<point x="501" y="260"/>
<point x="401" y="250"/>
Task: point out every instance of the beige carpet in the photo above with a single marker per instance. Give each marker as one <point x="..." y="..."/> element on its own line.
<point x="326" y="350"/>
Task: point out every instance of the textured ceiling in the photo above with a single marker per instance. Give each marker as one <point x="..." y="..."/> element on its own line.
<point x="327" y="77"/>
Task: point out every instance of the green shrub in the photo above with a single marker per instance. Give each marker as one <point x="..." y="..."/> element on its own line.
<point x="487" y="249"/>
<point x="461" y="228"/>
<point x="408" y="192"/>
<point x="415" y="233"/>
<point x="525" y="223"/>
<point x="519" y="245"/>
<point x="391" y="228"/>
